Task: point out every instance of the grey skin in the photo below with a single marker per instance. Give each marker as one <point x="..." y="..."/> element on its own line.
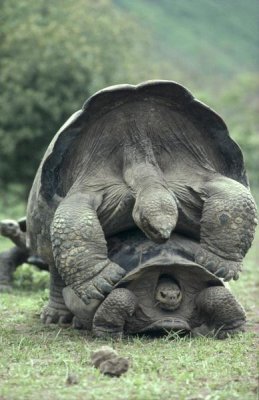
<point x="168" y="294"/>
<point x="149" y="156"/>
<point x="164" y="289"/>
<point x="12" y="258"/>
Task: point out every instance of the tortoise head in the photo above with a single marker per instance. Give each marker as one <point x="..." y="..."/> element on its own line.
<point x="156" y="213"/>
<point x="9" y="227"/>
<point x="168" y="293"/>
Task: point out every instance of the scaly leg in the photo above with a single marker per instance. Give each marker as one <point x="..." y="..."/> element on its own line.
<point x="220" y="312"/>
<point x="110" y="318"/>
<point x="227" y="227"/>
<point x="79" y="248"/>
<point x="56" y="311"/>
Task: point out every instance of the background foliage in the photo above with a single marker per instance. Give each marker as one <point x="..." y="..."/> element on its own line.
<point x="53" y="55"/>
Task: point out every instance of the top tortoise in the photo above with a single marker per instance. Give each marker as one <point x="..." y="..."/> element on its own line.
<point x="149" y="155"/>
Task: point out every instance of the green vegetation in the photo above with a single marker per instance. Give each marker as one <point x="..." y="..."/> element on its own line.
<point x="237" y="103"/>
<point x="53" y="55"/>
<point x="36" y="360"/>
<point x="205" y="38"/>
<point x="211" y="48"/>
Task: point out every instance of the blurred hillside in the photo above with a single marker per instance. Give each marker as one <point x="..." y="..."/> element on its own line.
<point x="53" y="55"/>
<point x="210" y="46"/>
<point x="206" y="39"/>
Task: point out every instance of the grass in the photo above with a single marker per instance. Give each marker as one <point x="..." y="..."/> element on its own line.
<point x="39" y="359"/>
<point x="35" y="360"/>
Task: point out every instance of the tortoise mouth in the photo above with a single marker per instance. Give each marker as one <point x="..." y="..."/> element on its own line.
<point x="168" y="323"/>
<point x="168" y="306"/>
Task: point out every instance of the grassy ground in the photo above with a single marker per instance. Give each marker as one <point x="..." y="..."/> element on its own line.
<point x="35" y="360"/>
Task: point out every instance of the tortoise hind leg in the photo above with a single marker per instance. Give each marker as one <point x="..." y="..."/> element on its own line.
<point x="56" y="311"/>
<point x="227" y="227"/>
<point x="220" y="312"/>
<point x="113" y="313"/>
<point x="79" y="248"/>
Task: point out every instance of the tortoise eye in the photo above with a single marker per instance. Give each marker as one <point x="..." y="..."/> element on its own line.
<point x="162" y="295"/>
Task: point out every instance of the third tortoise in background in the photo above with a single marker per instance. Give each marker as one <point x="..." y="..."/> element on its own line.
<point x="11" y="259"/>
<point x="149" y="155"/>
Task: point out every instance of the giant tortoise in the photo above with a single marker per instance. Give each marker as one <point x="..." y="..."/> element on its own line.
<point x="150" y="156"/>
<point x="163" y="290"/>
<point x="11" y="259"/>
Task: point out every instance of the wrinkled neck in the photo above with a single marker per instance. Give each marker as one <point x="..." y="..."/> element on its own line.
<point x="140" y="167"/>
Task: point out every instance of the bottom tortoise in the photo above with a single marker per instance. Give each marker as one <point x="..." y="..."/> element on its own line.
<point x="164" y="289"/>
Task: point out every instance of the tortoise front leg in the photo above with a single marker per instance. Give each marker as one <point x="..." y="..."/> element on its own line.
<point x="227" y="227"/>
<point x="79" y="248"/>
<point x="220" y="312"/>
<point x="9" y="261"/>
<point x="56" y="310"/>
<point x="113" y="313"/>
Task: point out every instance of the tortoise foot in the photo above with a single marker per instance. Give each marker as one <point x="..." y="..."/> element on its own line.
<point x="77" y="324"/>
<point x="229" y="332"/>
<point x="52" y="314"/>
<point x="102" y="284"/>
<point x="217" y="333"/>
<point x="105" y="334"/>
<point x="83" y="314"/>
<point x="202" y="330"/>
<point x="223" y="268"/>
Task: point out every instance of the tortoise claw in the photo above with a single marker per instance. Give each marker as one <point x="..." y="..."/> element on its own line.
<point x="52" y="315"/>
<point x="94" y="293"/>
<point x="220" y="272"/>
<point x="102" y="284"/>
<point x="223" y="268"/>
<point x="228" y="333"/>
<point x="228" y="277"/>
<point x="236" y="276"/>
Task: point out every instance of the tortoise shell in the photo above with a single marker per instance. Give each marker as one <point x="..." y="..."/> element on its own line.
<point x="145" y="263"/>
<point x="187" y="137"/>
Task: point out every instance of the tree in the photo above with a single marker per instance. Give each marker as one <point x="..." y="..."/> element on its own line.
<point x="53" y="56"/>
